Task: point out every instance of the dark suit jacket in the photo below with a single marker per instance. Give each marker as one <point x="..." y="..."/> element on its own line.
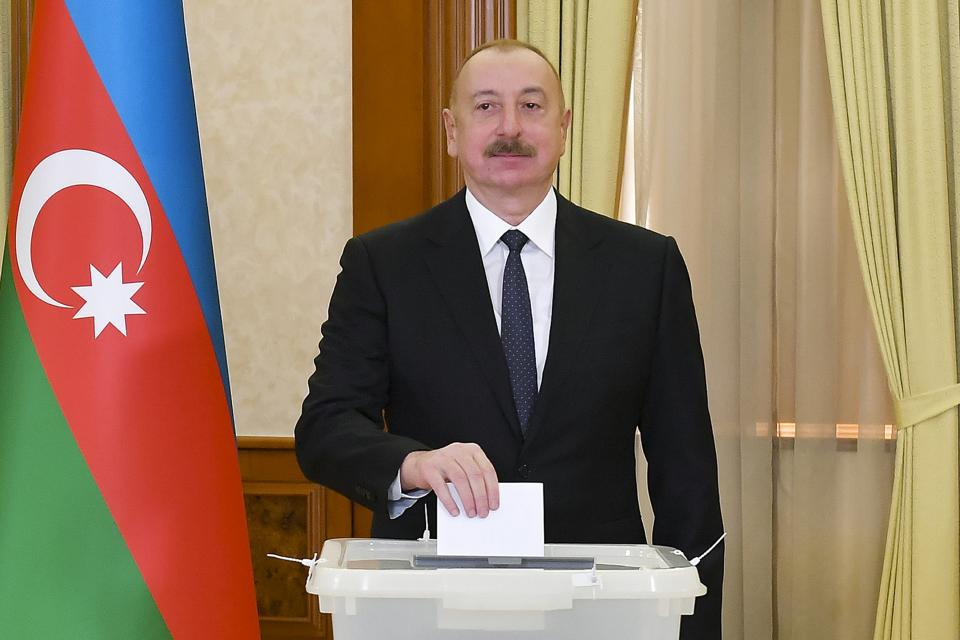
<point x="411" y="337"/>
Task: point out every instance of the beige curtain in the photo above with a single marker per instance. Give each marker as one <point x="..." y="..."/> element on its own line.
<point x="896" y="87"/>
<point x="590" y="45"/>
<point x="735" y="157"/>
<point x="6" y="112"/>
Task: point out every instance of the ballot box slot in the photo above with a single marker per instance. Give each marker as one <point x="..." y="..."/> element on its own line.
<point x="510" y="562"/>
<point x="386" y="564"/>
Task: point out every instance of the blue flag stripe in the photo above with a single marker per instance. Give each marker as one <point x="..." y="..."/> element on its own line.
<point x="139" y="50"/>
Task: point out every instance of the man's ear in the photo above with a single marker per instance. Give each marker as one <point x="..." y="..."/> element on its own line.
<point x="450" y="126"/>
<point x="564" y="127"/>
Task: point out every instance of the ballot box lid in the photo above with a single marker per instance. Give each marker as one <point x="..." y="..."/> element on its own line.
<point x="374" y="568"/>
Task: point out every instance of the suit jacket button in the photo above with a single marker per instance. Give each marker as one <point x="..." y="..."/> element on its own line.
<point x="523" y="471"/>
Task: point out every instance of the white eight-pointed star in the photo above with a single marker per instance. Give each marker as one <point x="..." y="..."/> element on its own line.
<point x="108" y="300"/>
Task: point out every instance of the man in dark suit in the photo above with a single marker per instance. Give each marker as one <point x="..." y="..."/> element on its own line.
<point x="510" y="335"/>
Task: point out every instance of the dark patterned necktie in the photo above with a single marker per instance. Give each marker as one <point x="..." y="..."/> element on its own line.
<point x="516" y="329"/>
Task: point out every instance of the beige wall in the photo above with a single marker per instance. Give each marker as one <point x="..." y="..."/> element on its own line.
<point x="273" y="91"/>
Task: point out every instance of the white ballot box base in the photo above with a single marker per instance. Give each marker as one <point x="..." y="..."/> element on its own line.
<point x="374" y="590"/>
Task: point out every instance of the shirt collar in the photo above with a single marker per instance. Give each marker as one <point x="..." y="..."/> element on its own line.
<point x="540" y="226"/>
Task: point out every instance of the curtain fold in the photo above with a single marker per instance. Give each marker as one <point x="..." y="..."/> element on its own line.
<point x="736" y="158"/>
<point x="590" y="44"/>
<point x="894" y="75"/>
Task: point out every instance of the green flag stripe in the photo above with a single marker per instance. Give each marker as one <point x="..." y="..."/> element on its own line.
<point x="65" y="570"/>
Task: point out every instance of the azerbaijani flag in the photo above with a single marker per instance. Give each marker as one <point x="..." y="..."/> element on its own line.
<point x="121" y="511"/>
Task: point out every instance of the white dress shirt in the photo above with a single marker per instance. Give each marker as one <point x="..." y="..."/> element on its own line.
<point x="537" y="257"/>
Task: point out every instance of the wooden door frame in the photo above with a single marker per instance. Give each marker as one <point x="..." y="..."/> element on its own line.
<point x="425" y="41"/>
<point x="21" y="17"/>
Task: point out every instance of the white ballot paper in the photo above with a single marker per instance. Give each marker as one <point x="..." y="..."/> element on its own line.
<point x="515" y="529"/>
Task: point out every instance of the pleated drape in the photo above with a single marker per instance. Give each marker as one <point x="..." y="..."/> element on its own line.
<point x="590" y="44"/>
<point x="896" y="93"/>
<point x="736" y="158"/>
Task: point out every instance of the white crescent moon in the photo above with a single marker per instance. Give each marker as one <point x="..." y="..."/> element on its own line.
<point x="70" y="168"/>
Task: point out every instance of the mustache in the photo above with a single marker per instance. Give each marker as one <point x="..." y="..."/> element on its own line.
<point x="509" y="147"/>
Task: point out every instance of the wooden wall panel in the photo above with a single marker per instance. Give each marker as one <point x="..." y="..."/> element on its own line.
<point x="289" y="515"/>
<point x="405" y="56"/>
<point x="21" y="17"/>
<point x="453" y="30"/>
<point x="284" y="518"/>
<point x="388" y="44"/>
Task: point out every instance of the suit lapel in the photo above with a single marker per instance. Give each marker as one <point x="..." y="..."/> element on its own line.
<point x="453" y="257"/>
<point x="578" y="280"/>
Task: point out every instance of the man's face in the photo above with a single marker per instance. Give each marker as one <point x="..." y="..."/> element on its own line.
<point x="507" y="124"/>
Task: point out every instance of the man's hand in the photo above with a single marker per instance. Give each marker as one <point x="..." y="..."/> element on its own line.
<point x="465" y="465"/>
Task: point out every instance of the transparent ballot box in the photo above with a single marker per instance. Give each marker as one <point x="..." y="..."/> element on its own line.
<point x="401" y="589"/>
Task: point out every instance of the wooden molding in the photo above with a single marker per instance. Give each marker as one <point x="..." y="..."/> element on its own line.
<point x="405" y="56"/>
<point x="265" y="442"/>
<point x="454" y="28"/>
<point x="21" y="18"/>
